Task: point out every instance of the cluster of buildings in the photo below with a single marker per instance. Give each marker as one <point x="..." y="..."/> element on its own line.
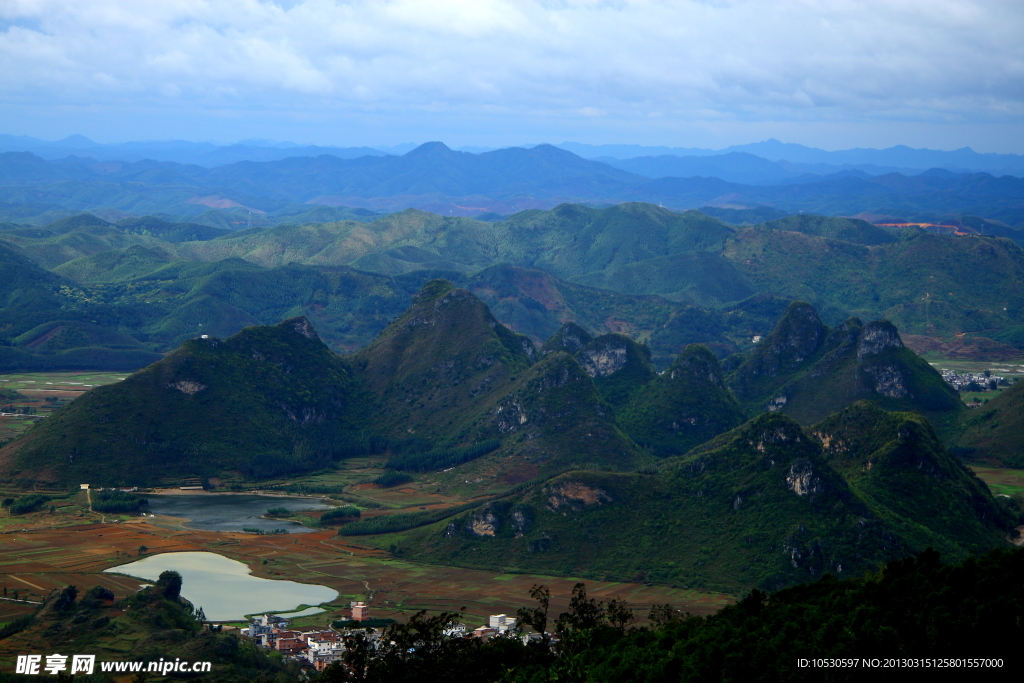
<point x="322" y="647"/>
<point x="984" y="381"/>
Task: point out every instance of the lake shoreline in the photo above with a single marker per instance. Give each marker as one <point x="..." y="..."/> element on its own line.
<point x="226" y="589"/>
<point x="238" y="513"/>
<point x="254" y="492"/>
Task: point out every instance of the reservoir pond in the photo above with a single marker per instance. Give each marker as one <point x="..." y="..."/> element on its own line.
<point x="232" y="512"/>
<point x="224" y="588"/>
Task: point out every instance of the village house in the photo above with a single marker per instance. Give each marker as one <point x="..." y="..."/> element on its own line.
<point x="290" y="645"/>
<point x="360" y="611"/>
<point x="455" y="631"/>
<point x="264" y="629"/>
<point x="501" y="623"/>
<point x="323" y="652"/>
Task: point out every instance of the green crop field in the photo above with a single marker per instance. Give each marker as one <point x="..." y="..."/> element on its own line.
<point x="1003" y="481"/>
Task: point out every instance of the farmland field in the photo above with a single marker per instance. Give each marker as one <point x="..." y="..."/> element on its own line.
<point x="1002" y="481"/>
<point x="1013" y="369"/>
<point x="39" y="559"/>
<point x="44" y="392"/>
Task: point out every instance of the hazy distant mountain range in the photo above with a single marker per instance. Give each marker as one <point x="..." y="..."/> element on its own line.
<point x="436" y="178"/>
<point x="741" y="163"/>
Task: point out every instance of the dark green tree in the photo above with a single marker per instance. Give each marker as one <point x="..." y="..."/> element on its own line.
<point x="169" y="584"/>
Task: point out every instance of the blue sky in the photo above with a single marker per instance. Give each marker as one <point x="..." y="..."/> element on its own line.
<point x="832" y="74"/>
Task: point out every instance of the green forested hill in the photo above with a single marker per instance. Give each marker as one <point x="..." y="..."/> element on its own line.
<point x="607" y="468"/>
<point x="896" y="463"/>
<point x="51" y="248"/>
<point x="808" y="370"/>
<point x="439" y="362"/>
<point x="571" y="240"/>
<point x="139" y="293"/>
<point x="994" y="432"/>
<point x="924" y="283"/>
<point x="683" y="407"/>
<point x="833" y="227"/>
<point x="759" y="506"/>
<point x="269" y="400"/>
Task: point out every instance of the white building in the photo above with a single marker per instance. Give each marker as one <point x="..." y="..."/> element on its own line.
<point x="501" y="623"/>
<point x="264" y="625"/>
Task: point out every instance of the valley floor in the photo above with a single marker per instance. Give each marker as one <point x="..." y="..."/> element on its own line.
<point x="36" y="560"/>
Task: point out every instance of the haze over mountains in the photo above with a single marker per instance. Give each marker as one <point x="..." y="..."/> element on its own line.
<point x="805" y="159"/>
<point x="500" y="182"/>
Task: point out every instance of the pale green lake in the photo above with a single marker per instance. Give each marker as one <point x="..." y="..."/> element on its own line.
<point x="224" y="588"/>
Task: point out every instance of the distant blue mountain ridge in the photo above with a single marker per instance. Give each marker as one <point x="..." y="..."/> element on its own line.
<point x="760" y="163"/>
<point x="435" y="178"/>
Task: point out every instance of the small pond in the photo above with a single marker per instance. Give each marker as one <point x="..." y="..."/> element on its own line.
<point x="232" y="511"/>
<point x="224" y="588"/>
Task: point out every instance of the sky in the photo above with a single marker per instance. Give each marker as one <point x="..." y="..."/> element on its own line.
<point x="832" y="74"/>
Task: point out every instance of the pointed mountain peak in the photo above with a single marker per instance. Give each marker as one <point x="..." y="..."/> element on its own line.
<point x="301" y="325"/>
<point x="800" y="332"/>
<point x="439" y="361"/>
<point x="696" y="362"/>
<point x="796" y="339"/>
<point x="76" y="140"/>
<point x="267" y="401"/>
<point x="429" y="148"/>
<point x="610" y="353"/>
<point x="771" y="429"/>
<point x="434" y="289"/>
<point x="554" y="409"/>
<point x="899" y="461"/>
<point x="877" y="336"/>
<point x="620" y="366"/>
<point x="683" y="407"/>
<point x="570" y="338"/>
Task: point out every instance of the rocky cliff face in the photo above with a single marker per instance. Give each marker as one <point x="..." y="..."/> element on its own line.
<point x="877" y="336"/>
<point x="620" y="366"/>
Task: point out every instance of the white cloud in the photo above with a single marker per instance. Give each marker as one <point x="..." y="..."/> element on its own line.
<point x="931" y="61"/>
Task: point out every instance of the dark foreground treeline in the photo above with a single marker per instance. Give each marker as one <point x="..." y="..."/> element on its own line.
<point x="913" y="608"/>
